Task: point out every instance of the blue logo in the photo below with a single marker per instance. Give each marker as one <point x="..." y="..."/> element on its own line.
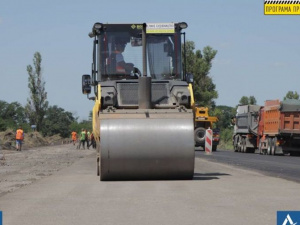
<point x="288" y="217"/>
<point x="0" y="217"/>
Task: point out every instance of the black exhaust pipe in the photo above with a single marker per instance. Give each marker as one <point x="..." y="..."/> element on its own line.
<point x="144" y="81"/>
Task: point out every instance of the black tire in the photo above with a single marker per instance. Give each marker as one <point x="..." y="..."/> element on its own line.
<point x="214" y="148"/>
<point x="239" y="144"/>
<point x="200" y="135"/>
<point x="246" y="149"/>
<point x="243" y="145"/>
<point x="270" y="143"/>
<point x="274" y="140"/>
<point x="235" y="144"/>
<point x="236" y="148"/>
<point x="294" y="153"/>
<point x="260" y="147"/>
<point x="251" y="150"/>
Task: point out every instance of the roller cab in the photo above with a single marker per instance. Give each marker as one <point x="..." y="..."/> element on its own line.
<point x="143" y="113"/>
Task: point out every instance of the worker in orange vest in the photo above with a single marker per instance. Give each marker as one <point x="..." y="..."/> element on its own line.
<point x="74" y="137"/>
<point x="19" y="138"/>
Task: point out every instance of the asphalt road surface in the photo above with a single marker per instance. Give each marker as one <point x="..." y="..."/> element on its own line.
<point x="218" y="194"/>
<point x="286" y="167"/>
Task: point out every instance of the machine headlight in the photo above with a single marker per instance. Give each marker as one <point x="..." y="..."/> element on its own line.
<point x="183" y="25"/>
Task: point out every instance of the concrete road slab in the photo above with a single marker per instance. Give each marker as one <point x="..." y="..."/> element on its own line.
<point x="219" y="194"/>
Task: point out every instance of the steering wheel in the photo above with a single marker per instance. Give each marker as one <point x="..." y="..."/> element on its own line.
<point x="136" y="72"/>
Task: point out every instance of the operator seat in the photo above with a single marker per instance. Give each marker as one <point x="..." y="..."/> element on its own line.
<point x="111" y="64"/>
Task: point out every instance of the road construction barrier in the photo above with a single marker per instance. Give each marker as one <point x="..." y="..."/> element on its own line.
<point x="208" y="141"/>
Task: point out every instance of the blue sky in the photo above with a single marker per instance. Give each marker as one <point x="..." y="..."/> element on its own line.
<point x="257" y="55"/>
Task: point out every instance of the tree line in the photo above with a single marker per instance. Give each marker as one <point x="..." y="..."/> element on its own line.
<point x="37" y="113"/>
<point x="56" y="120"/>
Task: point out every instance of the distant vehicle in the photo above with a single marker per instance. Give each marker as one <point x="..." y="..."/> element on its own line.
<point x="202" y="122"/>
<point x="272" y="129"/>
<point x="279" y="127"/>
<point x="245" y="128"/>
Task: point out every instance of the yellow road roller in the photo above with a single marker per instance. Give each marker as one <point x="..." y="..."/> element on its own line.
<point x="143" y="119"/>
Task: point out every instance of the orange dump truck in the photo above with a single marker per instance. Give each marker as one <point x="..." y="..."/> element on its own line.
<point x="279" y="127"/>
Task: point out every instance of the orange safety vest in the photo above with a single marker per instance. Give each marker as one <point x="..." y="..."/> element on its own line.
<point x="74" y="135"/>
<point x="19" y="134"/>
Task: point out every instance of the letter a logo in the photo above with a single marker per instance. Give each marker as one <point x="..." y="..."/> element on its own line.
<point x="288" y="221"/>
<point x="288" y="217"/>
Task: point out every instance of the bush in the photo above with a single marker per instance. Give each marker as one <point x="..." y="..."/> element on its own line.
<point x="226" y="139"/>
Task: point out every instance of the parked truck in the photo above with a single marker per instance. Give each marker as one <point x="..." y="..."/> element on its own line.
<point x="279" y="127"/>
<point x="203" y="122"/>
<point x="246" y="128"/>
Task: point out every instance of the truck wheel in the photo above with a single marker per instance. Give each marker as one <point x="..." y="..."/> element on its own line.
<point x="235" y="148"/>
<point x="234" y="143"/>
<point x="200" y="135"/>
<point x="252" y="150"/>
<point x="274" y="140"/>
<point x="294" y="153"/>
<point x="246" y="149"/>
<point x="269" y="151"/>
<point x="243" y="145"/>
<point x="239" y="144"/>
<point x="260" y="147"/>
<point x="263" y="146"/>
<point x="214" y="148"/>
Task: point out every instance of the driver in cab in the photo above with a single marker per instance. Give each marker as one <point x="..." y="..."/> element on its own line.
<point x="121" y="66"/>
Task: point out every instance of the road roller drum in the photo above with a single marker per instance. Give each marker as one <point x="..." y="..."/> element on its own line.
<point x="147" y="148"/>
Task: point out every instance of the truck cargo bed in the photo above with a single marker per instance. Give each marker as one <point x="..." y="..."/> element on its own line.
<point x="282" y="118"/>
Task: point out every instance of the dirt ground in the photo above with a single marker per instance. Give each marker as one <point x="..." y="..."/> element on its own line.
<point x="31" y="139"/>
<point x="18" y="169"/>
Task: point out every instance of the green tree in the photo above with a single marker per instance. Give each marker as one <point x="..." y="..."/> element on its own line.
<point x="252" y="100"/>
<point x="37" y="103"/>
<point x="291" y="95"/>
<point x="11" y="115"/>
<point x="3" y="106"/>
<point x="84" y="124"/>
<point x="244" y="100"/>
<point x="57" y="121"/>
<point x="224" y="114"/>
<point x="247" y="100"/>
<point x="199" y="64"/>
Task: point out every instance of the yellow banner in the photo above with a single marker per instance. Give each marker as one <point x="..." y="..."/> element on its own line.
<point x="282" y="9"/>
